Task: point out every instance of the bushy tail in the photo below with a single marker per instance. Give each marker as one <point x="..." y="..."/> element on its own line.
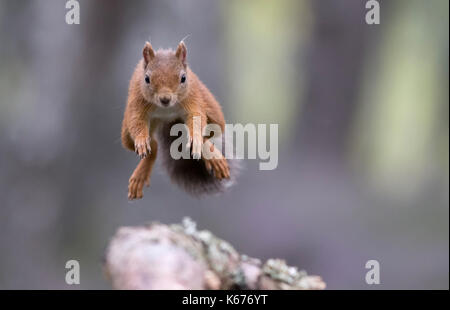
<point x="191" y="174"/>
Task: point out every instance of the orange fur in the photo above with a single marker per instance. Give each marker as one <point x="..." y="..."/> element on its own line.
<point x="146" y="110"/>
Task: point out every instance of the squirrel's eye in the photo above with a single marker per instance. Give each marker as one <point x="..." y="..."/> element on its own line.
<point x="147" y="79"/>
<point x="183" y="78"/>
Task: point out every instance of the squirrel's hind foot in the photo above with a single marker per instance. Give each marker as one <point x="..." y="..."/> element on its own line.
<point x="219" y="167"/>
<point x="136" y="187"/>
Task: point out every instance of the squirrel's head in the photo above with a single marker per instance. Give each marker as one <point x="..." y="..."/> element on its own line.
<point x="165" y="77"/>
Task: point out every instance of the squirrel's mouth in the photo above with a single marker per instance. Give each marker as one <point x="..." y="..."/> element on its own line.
<point x="166" y="101"/>
<point x="168" y="105"/>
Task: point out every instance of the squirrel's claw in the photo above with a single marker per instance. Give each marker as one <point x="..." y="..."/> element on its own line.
<point x="142" y="146"/>
<point x="196" y="156"/>
<point x="196" y="149"/>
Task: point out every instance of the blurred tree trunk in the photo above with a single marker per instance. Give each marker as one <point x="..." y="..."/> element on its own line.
<point x="337" y="52"/>
<point x="104" y="26"/>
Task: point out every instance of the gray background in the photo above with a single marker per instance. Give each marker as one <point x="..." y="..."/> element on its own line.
<point x="362" y="113"/>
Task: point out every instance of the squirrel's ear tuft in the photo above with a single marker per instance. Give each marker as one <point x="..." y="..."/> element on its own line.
<point x="181" y="52"/>
<point x="148" y="52"/>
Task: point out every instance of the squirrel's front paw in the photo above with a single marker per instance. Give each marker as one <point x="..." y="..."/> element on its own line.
<point x="195" y="143"/>
<point x="142" y="146"/>
<point x="136" y="186"/>
<point x="218" y="166"/>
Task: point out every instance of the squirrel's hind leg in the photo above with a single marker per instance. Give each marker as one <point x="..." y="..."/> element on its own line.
<point x="141" y="175"/>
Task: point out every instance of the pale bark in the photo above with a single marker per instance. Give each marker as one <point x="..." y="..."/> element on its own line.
<point x="178" y="256"/>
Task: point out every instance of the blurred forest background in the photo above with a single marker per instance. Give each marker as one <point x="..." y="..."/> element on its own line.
<point x="364" y="134"/>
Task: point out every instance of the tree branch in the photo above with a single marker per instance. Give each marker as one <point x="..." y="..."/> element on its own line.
<point x="178" y="256"/>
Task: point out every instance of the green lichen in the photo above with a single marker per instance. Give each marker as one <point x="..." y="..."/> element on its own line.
<point x="277" y="269"/>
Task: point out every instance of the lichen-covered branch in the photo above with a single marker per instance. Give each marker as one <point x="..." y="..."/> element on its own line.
<point x="179" y="256"/>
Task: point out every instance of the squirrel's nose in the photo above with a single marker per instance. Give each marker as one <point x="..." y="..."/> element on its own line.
<point x="164" y="100"/>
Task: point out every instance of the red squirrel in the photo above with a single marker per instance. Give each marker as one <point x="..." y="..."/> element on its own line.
<point x="164" y="91"/>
